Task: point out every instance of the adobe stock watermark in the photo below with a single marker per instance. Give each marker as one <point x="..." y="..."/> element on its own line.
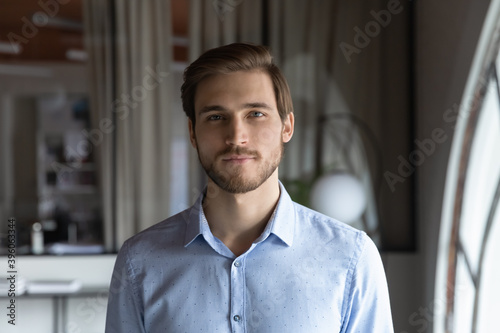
<point x="90" y="308"/>
<point x="372" y="29"/>
<point x="222" y="7"/>
<point x="424" y="316"/>
<point x="427" y="147"/>
<point x="417" y="157"/>
<point x="29" y="30"/>
<point x="88" y="311"/>
<point x="122" y="107"/>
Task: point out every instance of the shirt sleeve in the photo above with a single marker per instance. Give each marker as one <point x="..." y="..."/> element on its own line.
<point x="124" y="312"/>
<point x="367" y="307"/>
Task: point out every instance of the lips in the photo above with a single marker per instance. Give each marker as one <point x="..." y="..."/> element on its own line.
<point x="238" y="159"/>
<point x="238" y="155"/>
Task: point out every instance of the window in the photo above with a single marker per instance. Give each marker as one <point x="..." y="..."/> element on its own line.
<point x="468" y="272"/>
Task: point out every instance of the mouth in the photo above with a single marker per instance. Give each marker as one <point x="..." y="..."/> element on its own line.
<point x="238" y="159"/>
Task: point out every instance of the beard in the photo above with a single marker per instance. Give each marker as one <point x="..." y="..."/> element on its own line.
<point x="236" y="181"/>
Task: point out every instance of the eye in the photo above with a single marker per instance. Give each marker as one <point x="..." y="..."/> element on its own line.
<point x="214" y="117"/>
<point x="256" y="114"/>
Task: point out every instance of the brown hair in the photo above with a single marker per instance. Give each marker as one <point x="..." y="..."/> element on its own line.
<point x="231" y="58"/>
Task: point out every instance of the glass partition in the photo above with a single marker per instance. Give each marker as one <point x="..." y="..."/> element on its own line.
<point x="48" y="172"/>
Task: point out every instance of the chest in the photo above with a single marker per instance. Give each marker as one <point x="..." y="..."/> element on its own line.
<point x="276" y="291"/>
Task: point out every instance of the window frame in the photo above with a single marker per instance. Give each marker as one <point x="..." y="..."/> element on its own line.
<point x="484" y="69"/>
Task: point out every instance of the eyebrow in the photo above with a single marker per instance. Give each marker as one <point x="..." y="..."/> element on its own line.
<point x="254" y="105"/>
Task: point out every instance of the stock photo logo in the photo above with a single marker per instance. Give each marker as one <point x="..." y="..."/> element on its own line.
<point x="426" y="147"/>
<point x="29" y="30"/>
<point x="373" y="28"/>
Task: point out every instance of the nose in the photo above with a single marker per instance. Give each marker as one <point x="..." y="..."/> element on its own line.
<point x="237" y="133"/>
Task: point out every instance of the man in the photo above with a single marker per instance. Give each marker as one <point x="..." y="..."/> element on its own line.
<point x="245" y="257"/>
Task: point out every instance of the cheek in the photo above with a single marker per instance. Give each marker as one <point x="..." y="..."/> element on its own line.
<point x="204" y="145"/>
<point x="208" y="145"/>
<point x="268" y="136"/>
<point x="204" y="136"/>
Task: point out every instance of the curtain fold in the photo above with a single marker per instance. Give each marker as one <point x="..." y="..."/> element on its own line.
<point x="98" y="43"/>
<point x="139" y="59"/>
<point x="143" y="60"/>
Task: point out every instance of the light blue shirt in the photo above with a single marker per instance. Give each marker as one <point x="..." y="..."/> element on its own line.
<point x="306" y="273"/>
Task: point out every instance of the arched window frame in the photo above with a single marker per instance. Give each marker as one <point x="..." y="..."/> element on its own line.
<point x="484" y="76"/>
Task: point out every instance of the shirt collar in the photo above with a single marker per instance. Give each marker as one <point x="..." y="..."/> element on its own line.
<point x="281" y="223"/>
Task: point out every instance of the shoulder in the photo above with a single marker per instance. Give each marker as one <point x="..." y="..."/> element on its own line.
<point x="162" y="235"/>
<point x="155" y="246"/>
<point x="328" y="228"/>
<point x="351" y="247"/>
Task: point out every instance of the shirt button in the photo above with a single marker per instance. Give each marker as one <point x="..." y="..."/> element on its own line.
<point x="236" y="318"/>
<point x="237" y="264"/>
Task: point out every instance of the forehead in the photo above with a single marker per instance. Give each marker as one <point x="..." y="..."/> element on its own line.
<point x="233" y="89"/>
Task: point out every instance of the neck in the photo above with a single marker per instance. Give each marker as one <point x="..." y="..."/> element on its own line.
<point x="239" y="219"/>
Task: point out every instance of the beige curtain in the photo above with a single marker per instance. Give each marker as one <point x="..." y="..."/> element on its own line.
<point x="143" y="59"/>
<point x="136" y="63"/>
<point x="98" y="40"/>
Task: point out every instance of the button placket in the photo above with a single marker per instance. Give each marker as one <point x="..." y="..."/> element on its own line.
<point x="237" y="295"/>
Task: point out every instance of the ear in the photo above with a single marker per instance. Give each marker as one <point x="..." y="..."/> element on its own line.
<point x="192" y="135"/>
<point x="288" y="127"/>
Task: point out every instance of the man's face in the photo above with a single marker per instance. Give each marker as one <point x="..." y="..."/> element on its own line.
<point x="238" y="133"/>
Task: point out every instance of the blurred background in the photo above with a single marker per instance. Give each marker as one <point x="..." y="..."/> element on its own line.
<point x="397" y="107"/>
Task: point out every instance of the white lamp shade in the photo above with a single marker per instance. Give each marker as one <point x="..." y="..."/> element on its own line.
<point x="339" y="195"/>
